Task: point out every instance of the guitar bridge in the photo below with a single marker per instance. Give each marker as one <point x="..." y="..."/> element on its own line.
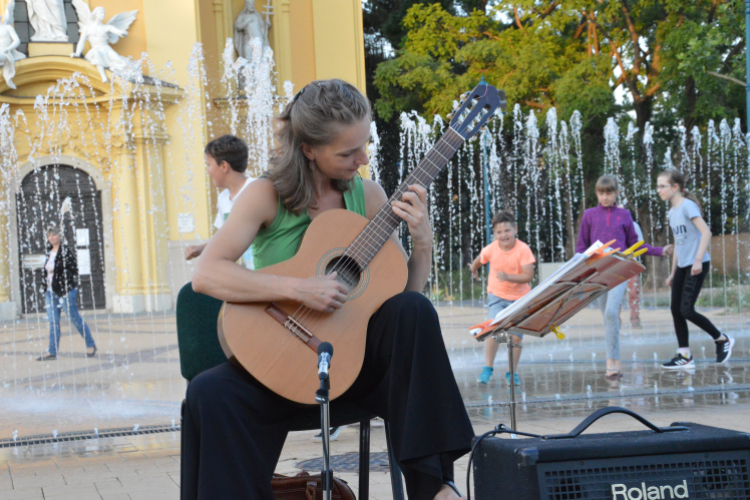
<point x="293" y="326"/>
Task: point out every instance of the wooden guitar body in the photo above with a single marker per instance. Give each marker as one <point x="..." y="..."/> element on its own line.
<point x="281" y="360"/>
<point x="277" y="341"/>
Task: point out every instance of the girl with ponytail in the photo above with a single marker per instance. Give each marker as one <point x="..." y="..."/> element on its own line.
<point x="690" y="267"/>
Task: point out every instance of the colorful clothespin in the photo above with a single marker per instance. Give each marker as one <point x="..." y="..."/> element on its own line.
<point x="558" y="333"/>
<point x="633" y="248"/>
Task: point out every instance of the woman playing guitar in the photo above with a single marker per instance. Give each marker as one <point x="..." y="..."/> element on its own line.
<point x="234" y="427"/>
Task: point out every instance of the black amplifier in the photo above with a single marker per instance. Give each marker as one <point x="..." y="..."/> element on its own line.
<point x="681" y="461"/>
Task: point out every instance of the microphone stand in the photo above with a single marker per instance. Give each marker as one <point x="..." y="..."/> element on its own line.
<point x="322" y="397"/>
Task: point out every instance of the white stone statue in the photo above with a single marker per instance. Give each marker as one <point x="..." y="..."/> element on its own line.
<point x="47" y="17"/>
<point x="249" y="24"/>
<point x="101" y="35"/>
<point x="9" y="41"/>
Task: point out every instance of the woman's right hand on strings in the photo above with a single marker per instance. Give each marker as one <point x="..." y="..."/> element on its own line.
<point x="321" y="293"/>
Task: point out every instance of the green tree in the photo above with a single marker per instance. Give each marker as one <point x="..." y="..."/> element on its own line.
<point x="704" y="63"/>
<point x="539" y="57"/>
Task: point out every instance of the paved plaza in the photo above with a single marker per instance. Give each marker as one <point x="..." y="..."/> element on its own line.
<point x="135" y="379"/>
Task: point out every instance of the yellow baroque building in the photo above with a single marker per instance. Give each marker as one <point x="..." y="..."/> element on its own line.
<point x="130" y="154"/>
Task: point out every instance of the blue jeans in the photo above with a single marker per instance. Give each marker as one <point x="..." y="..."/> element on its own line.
<point x="609" y="303"/>
<point x="55" y="305"/>
<point x="496" y="304"/>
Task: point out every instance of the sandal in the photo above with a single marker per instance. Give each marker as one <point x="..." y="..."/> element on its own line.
<point x="613" y="374"/>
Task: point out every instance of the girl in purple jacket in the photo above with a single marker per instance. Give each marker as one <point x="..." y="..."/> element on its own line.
<point x="608" y="222"/>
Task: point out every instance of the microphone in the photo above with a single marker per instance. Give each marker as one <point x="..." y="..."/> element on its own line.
<point x="325" y="352"/>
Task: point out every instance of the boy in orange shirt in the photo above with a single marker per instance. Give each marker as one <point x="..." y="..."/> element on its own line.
<point x="511" y="270"/>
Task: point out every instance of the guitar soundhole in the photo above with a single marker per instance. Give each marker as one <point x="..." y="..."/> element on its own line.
<point x="348" y="271"/>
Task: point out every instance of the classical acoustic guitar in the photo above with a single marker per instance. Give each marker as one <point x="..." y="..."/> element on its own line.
<point x="276" y="342"/>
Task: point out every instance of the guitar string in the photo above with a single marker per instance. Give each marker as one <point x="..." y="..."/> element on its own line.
<point x="351" y="263"/>
<point x="375" y="223"/>
<point x="357" y="247"/>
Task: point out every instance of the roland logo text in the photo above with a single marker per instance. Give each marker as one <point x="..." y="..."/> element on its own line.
<point x="645" y="491"/>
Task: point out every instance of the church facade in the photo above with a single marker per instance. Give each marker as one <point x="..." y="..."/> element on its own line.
<point x="128" y="152"/>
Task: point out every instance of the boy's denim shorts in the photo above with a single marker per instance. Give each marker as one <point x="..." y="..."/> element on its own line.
<point x="495" y="304"/>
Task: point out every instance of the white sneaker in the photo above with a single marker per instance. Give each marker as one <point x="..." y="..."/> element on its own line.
<point x="724" y="349"/>
<point x="679" y="362"/>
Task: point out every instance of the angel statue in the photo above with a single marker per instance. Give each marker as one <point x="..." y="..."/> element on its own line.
<point x="9" y="42"/>
<point x="101" y="35"/>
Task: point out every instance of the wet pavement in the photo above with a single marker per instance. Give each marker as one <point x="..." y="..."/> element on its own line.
<point x="567" y="376"/>
<point x="135" y="379"/>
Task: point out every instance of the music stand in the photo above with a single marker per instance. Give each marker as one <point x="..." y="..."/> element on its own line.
<point x="574" y="286"/>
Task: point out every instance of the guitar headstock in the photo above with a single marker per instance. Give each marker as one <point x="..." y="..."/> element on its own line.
<point x="476" y="108"/>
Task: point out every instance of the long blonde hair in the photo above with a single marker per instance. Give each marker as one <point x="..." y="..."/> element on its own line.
<point x="314" y="117"/>
<point x="677" y="177"/>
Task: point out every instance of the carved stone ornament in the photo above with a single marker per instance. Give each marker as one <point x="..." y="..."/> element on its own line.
<point x="249" y="25"/>
<point x="9" y="42"/>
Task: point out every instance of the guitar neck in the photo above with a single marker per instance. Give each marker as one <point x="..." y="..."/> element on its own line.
<point x="379" y="229"/>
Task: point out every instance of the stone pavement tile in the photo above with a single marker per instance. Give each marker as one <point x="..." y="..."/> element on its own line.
<point x="109" y="486"/>
<point x="381" y="490"/>
<point x="80" y="479"/>
<point x="161" y="454"/>
<point x="166" y="462"/>
<point x="68" y="469"/>
<point x="71" y="461"/>
<point x="149" y="470"/>
<point x="378" y="478"/>
<point x="24" y="483"/>
<point x="96" y="468"/>
<point x="33" y="464"/>
<point x="122" y="467"/>
<point x="146" y="483"/>
<point x="23" y="472"/>
<point x="116" y="496"/>
<point x="71" y="493"/>
<point x="5" y="479"/>
<point x="173" y="494"/>
<point x="22" y="494"/>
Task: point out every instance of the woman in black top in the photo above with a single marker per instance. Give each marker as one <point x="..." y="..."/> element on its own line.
<point x="61" y="292"/>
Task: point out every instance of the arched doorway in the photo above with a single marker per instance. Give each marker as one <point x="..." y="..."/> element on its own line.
<point x="38" y="205"/>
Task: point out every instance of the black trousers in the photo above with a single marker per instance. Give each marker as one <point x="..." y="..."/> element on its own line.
<point x="685" y="291"/>
<point x="234" y="428"/>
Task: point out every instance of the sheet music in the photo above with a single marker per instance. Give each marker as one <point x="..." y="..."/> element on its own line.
<point x="544" y="295"/>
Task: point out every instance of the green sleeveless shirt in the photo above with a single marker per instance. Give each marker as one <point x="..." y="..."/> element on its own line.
<point x="281" y="240"/>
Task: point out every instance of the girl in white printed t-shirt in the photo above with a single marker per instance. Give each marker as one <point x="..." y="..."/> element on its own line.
<point x="689" y="268"/>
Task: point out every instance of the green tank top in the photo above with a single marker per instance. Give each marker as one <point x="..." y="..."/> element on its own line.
<point x="281" y="240"/>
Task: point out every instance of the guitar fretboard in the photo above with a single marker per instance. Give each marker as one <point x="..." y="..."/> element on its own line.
<point x="379" y="229"/>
